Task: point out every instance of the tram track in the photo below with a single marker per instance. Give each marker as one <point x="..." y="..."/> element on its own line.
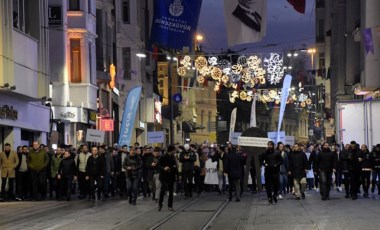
<point x="192" y="208"/>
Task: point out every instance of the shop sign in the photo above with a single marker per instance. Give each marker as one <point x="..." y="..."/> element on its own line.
<point x="92" y="117"/>
<point x="106" y="125"/>
<point x="7" y="112"/>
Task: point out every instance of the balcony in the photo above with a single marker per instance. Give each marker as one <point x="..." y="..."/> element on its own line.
<point x="83" y="95"/>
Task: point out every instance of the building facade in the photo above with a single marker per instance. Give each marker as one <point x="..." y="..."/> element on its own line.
<point x="24" y="79"/>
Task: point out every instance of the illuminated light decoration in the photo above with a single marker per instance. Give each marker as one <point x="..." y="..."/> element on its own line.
<point x="234" y="86"/>
<point x="187" y="59"/>
<point x="224" y="64"/>
<point x="217" y="87"/>
<point x="302" y="97"/>
<point x="294" y="97"/>
<point x="205" y="70"/>
<point x="200" y="62"/>
<point x="213" y="61"/>
<point x="253" y="62"/>
<point x="262" y="81"/>
<point x="303" y="104"/>
<point x="259" y="73"/>
<point x="245" y="76"/>
<point x="201" y="79"/>
<point x="249" y="98"/>
<point x="243" y="95"/>
<point x="242" y="60"/>
<point x="225" y="79"/>
<point x="235" y="78"/>
<point x="235" y="94"/>
<point x="274" y="66"/>
<point x="273" y="94"/>
<point x="277" y="102"/>
<point x="308" y="101"/>
<point x="216" y="73"/>
<point x="253" y="82"/>
<point x="182" y="71"/>
<point x="236" y="69"/>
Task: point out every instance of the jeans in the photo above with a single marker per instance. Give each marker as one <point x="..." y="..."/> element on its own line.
<point x="221" y="181"/>
<point x="376" y="175"/>
<point x="283" y="182"/>
<point x="65" y="183"/>
<point x="106" y="184"/>
<point x="325" y="183"/>
<point x="98" y="180"/>
<point x="132" y="188"/>
<point x="22" y="184"/>
<point x="338" y="178"/>
<point x="366" y="180"/>
<point x="83" y="184"/>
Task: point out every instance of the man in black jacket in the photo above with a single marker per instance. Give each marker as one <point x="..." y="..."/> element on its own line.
<point x="271" y="160"/>
<point x="325" y="165"/>
<point x="366" y="168"/>
<point x="233" y="169"/>
<point x="132" y="164"/>
<point x="187" y="158"/>
<point x="94" y="172"/>
<point x="66" y="173"/>
<point x="298" y="166"/>
<point x="353" y="167"/>
<point x="168" y="172"/>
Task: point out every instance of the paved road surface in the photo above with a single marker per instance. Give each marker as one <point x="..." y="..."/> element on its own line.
<point x="209" y="211"/>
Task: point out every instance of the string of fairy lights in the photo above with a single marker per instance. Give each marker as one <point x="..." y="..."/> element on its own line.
<point x="244" y="77"/>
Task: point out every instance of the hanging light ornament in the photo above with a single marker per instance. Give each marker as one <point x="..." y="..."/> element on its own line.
<point x="213" y="61"/>
<point x="200" y="62"/>
<point x="216" y="73"/>
<point x="201" y="79"/>
<point x="182" y="71"/>
<point x="243" y="95"/>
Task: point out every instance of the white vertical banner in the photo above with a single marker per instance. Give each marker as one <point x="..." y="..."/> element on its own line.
<point x="232" y="123"/>
<point x="284" y="97"/>
<point x="252" y="122"/>
<point x="245" y="21"/>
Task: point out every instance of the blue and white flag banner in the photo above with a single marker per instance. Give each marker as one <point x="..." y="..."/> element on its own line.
<point x="129" y="116"/>
<point x="284" y="98"/>
<point x="175" y="22"/>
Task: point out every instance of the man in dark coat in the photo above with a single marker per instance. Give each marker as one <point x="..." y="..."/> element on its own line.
<point x="298" y="166"/>
<point x="132" y="164"/>
<point x="94" y="172"/>
<point x="376" y="168"/>
<point x="233" y="169"/>
<point x="271" y="160"/>
<point x="351" y="158"/>
<point x="325" y="165"/>
<point x="168" y="172"/>
<point x="66" y="174"/>
<point x="187" y="158"/>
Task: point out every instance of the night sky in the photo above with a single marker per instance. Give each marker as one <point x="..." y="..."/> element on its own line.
<point x="286" y="28"/>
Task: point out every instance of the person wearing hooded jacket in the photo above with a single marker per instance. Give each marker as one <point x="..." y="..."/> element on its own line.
<point x="187" y="158"/>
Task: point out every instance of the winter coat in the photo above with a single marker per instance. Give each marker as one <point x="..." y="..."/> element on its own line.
<point x="272" y="160"/>
<point x="232" y="165"/>
<point x="95" y="166"/>
<point x="67" y="167"/>
<point x="37" y="160"/>
<point x="187" y="164"/>
<point x="135" y="163"/>
<point x="167" y="160"/>
<point x="298" y="164"/>
<point x="8" y="164"/>
<point x="326" y="161"/>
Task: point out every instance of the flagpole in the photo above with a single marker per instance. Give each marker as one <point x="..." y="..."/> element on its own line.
<point x="171" y="132"/>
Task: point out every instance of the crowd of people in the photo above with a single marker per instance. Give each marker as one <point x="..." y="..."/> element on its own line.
<point x="100" y="172"/>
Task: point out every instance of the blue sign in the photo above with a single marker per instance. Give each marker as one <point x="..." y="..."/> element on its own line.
<point x="177" y="97"/>
<point x="129" y="116"/>
<point x="175" y="22"/>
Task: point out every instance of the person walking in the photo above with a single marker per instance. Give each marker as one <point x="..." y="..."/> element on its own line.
<point x="366" y="167"/>
<point x="325" y="165"/>
<point x="187" y="157"/>
<point x="83" y="184"/>
<point x="298" y="167"/>
<point x="283" y="170"/>
<point x="8" y="162"/>
<point x="66" y="174"/>
<point x="376" y="169"/>
<point x="271" y="160"/>
<point x="132" y="164"/>
<point x="168" y="172"/>
<point x="94" y="173"/>
<point x="37" y="162"/>
<point x="233" y="170"/>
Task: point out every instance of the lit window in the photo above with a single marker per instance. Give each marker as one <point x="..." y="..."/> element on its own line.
<point x="75" y="64"/>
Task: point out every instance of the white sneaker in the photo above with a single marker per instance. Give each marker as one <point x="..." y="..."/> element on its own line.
<point x="280" y="197"/>
<point x="340" y="189"/>
<point x="317" y="190"/>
